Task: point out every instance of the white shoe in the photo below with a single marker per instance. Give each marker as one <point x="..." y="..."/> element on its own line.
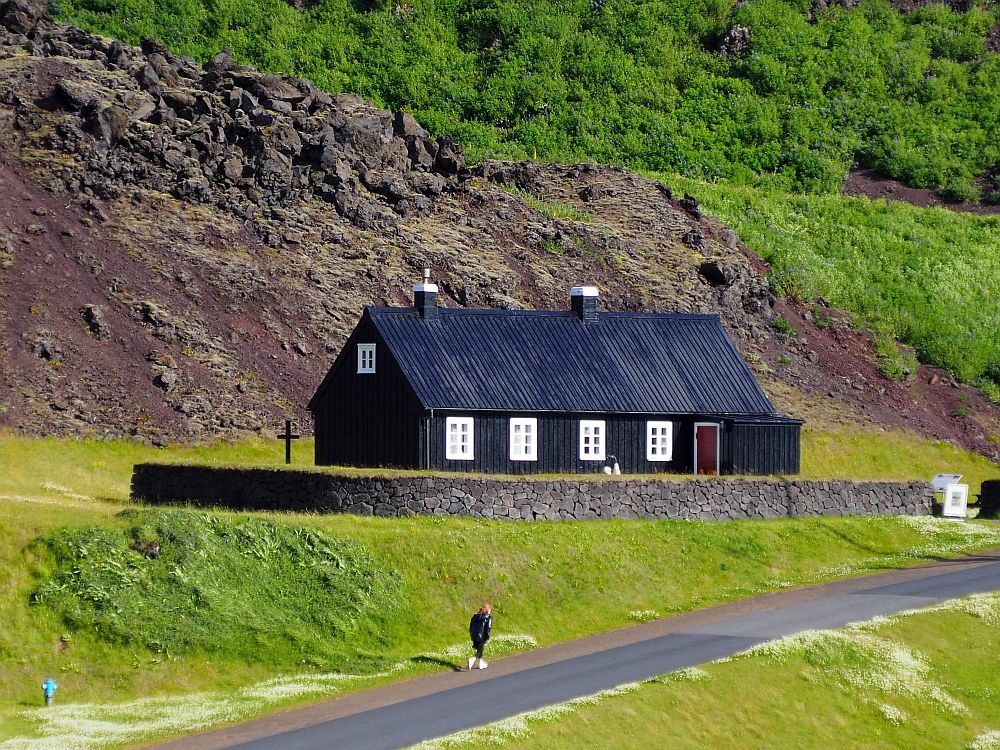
<point x="472" y="660"/>
<point x="482" y="664"/>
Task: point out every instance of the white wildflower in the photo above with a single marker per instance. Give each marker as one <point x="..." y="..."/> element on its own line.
<point x="86" y="726"/>
<point x="65" y="491"/>
<point x="873" y="663"/>
<point x="985" y="607"/>
<point x="518" y="727"/>
<point x="501" y="644"/>
<point x="643" y="615"/>
<point x="893" y="715"/>
<point x="687" y="674"/>
<point x="988" y="741"/>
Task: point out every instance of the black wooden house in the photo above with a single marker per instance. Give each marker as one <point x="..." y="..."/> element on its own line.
<point x="537" y="391"/>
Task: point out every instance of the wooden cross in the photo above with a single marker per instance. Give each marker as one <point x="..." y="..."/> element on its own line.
<point x="288" y="437"/>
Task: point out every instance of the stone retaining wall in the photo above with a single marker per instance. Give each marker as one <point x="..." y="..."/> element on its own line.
<point x="524" y="499"/>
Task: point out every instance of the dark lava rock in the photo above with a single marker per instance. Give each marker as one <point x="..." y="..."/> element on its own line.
<point x="94" y="317"/>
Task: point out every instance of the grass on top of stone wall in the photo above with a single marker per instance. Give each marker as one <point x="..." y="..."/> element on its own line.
<point x="68" y="470"/>
<point x="886" y="455"/>
<point x="83" y="470"/>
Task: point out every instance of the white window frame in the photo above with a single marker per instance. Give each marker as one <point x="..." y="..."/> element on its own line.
<point x="525" y="448"/>
<point x="659" y="441"/>
<point x="459" y="449"/>
<point x="596" y="448"/>
<point x="366" y="359"/>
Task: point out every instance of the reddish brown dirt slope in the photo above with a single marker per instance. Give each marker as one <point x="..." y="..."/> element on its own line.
<point x="870" y="183"/>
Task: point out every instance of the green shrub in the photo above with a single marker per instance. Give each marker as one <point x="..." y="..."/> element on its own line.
<point x="820" y="317"/>
<point x="893" y="363"/>
<point x="958" y="186"/>
<point x="549" y="209"/>
<point x="782" y="325"/>
<point x="991" y="388"/>
<point x="247" y="588"/>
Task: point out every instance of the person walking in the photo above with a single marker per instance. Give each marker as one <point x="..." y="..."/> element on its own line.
<point x="479" y="631"/>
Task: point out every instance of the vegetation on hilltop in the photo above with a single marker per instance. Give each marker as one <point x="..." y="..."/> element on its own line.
<point x="636" y="83"/>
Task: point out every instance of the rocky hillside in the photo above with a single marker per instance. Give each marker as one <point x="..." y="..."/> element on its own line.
<point x="184" y="248"/>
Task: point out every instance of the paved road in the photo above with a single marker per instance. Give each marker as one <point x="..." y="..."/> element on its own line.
<point x="401" y="715"/>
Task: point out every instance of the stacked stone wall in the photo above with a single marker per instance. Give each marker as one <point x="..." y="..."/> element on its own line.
<point x="524" y="499"/>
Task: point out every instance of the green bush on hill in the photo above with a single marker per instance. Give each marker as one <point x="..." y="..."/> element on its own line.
<point x="244" y="588"/>
<point x="633" y="82"/>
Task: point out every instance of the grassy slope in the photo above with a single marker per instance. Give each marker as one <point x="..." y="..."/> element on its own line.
<point x="925" y="276"/>
<point x="924" y="681"/>
<point x="547" y="581"/>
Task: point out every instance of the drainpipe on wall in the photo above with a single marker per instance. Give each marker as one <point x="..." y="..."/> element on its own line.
<point x="427" y="439"/>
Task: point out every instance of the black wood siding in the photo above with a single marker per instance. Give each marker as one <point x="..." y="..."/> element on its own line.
<point x="558" y="444"/>
<point x="764" y="448"/>
<point x="367" y="419"/>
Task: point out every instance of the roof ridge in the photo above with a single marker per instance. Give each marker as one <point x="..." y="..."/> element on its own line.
<point x="452" y="311"/>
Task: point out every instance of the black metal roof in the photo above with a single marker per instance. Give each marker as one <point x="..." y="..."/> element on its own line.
<point x="549" y="361"/>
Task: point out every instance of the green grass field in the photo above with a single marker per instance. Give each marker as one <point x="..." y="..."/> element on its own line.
<point x="101" y="470"/>
<point x="548" y="582"/>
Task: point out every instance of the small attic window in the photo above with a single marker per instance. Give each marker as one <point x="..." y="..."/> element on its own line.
<point x="366" y="358"/>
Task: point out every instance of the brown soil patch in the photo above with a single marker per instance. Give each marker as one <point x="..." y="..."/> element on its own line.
<point x="993" y="38"/>
<point x="829" y="375"/>
<point x="870" y="183"/>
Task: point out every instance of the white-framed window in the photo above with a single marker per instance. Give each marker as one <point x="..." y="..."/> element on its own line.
<point x="659" y="441"/>
<point x="366" y="358"/>
<point x="592" y="440"/>
<point x="459" y="435"/>
<point x="523" y="439"/>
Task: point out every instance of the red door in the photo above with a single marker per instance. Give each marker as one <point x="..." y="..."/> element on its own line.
<point x="706" y="449"/>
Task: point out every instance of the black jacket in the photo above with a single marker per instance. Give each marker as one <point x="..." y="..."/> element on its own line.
<point x="479" y="626"/>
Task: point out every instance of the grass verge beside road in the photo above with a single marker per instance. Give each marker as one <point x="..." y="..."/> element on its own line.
<point x="923" y="680"/>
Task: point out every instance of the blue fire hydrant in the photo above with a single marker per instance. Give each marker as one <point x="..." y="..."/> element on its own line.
<point x="49" y="690"/>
